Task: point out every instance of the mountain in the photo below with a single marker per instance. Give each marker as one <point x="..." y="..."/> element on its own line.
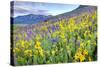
<point x="76" y="12"/>
<point x="30" y="19"/>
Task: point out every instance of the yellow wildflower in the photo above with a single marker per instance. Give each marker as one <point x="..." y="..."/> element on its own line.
<point x="26" y="43"/>
<point x="79" y="53"/>
<point x="41" y="52"/>
<point x="61" y="26"/>
<point x="28" y="52"/>
<point x="82" y="58"/>
<point x="16" y="49"/>
<point x="38" y="37"/>
<point x="90" y="59"/>
<point x="22" y="43"/>
<point x="37" y="45"/>
<point x="79" y="49"/>
<point x="76" y="56"/>
<point x="62" y="36"/>
<point x="85" y="52"/>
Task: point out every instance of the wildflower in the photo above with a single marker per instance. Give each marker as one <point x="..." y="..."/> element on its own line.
<point x="28" y="53"/>
<point x="53" y="29"/>
<point x="60" y="25"/>
<point x="54" y="40"/>
<point x="28" y="43"/>
<point x="62" y="36"/>
<point x="22" y="43"/>
<point x="38" y="37"/>
<point x="82" y="58"/>
<point x="78" y="43"/>
<point x="41" y="52"/>
<point x="90" y="59"/>
<point x="85" y="52"/>
<point x="16" y="49"/>
<point x="76" y="56"/>
<point x="37" y="45"/>
<point x="71" y="21"/>
<point x="90" y="28"/>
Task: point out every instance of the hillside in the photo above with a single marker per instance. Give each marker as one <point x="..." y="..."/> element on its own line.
<point x="80" y="10"/>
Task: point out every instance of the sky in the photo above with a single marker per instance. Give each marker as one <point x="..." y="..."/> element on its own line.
<point x="37" y="8"/>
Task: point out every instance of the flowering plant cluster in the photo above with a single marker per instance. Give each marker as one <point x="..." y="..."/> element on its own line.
<point x="71" y="39"/>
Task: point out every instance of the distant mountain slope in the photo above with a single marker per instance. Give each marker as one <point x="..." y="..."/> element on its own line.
<point x="30" y="19"/>
<point x="80" y="10"/>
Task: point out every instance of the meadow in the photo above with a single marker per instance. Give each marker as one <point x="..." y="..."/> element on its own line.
<point x="72" y="39"/>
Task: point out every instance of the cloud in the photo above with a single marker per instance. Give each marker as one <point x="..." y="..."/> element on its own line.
<point x="39" y="11"/>
<point x="20" y="10"/>
<point x="24" y="8"/>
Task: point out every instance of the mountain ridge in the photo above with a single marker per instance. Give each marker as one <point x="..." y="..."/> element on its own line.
<point x="33" y="19"/>
<point x="30" y="19"/>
